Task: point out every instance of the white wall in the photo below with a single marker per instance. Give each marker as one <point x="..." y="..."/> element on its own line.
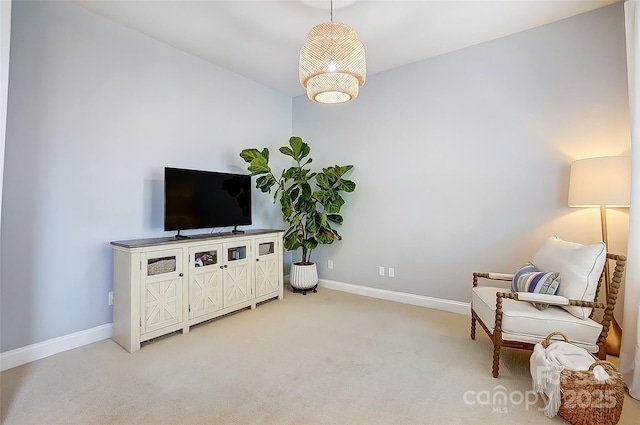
<point x="5" y="37"/>
<point x="96" y="111"/>
<point x="462" y="161"/>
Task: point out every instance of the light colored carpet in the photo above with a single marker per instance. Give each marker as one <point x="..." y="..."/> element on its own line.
<point x="325" y="358"/>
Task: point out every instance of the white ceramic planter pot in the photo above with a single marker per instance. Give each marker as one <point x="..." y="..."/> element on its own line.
<point x="303" y="277"/>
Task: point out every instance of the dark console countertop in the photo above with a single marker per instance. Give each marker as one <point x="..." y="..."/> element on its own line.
<point x="167" y="240"/>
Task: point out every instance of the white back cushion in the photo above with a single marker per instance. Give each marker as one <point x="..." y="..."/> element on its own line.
<point x="580" y="267"/>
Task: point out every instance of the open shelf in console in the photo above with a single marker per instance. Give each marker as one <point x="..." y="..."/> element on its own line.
<point x="206" y="258"/>
<point x="162" y="265"/>
<point x="266" y="248"/>
<point x="237" y="253"/>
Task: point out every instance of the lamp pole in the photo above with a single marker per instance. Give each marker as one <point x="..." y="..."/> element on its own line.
<point x="615" y="331"/>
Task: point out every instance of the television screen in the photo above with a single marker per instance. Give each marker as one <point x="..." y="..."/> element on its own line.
<point x="196" y="199"/>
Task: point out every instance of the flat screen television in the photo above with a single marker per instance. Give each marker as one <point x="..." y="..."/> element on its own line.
<point x="195" y="199"/>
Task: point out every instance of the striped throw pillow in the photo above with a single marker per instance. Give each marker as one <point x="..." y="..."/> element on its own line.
<point x="527" y="268"/>
<point x="529" y="279"/>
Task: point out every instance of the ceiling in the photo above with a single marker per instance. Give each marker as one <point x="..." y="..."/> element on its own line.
<point x="261" y="39"/>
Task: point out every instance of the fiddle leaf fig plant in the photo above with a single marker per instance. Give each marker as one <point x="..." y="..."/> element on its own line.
<point x="310" y="201"/>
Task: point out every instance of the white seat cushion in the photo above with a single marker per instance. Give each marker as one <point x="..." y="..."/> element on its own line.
<point x="521" y="321"/>
<point x="580" y="267"/>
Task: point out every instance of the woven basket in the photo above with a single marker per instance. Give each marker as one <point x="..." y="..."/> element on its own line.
<point x="586" y="400"/>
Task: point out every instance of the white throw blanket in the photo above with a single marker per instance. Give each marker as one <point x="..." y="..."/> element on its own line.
<point x="546" y="365"/>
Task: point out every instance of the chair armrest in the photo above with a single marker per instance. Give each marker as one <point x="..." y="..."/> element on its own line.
<point x="555" y="299"/>
<point x="494" y="276"/>
<point x="542" y="298"/>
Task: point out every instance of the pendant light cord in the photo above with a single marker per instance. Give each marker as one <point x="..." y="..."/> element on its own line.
<point x="331" y="10"/>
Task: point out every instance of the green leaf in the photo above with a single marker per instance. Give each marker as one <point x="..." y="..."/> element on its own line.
<point x="296" y="144"/>
<point x="322" y="196"/>
<point x="341" y="170"/>
<point x="332" y="207"/>
<point x="323" y="220"/>
<point x="250" y="154"/>
<point x="346" y="185"/>
<point x="291" y="242"/>
<point x="306" y="191"/>
<point x="299" y="148"/>
<point x="256" y="169"/>
<point x="334" y="204"/>
<point x="265" y="183"/>
<point x="285" y="204"/>
<point x="338" y="170"/>
<point x="310" y="206"/>
<point x="302" y="207"/>
<point x="335" y="218"/>
<point x="290" y="173"/>
<point x="310" y="244"/>
<point x="259" y="165"/>
<point x="300" y="176"/>
<point x="294" y="192"/>
<point x="286" y="214"/>
<point x="305" y="150"/>
<point x="331" y="174"/>
<point x="276" y="193"/>
<point x="325" y="236"/>
<point x="265" y="153"/>
<point x="313" y="223"/>
<point x="322" y="180"/>
<point x="287" y="151"/>
<point x="291" y="230"/>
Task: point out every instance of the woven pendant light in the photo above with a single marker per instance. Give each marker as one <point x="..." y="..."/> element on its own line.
<point x="332" y="63"/>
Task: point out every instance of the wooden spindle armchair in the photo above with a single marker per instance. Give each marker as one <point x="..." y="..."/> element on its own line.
<point x="512" y="320"/>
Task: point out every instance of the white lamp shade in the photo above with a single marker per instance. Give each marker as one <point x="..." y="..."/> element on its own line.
<point x="332" y="63"/>
<point x="600" y="181"/>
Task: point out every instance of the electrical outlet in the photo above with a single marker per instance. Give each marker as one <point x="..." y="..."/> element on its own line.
<point x="110" y="297"/>
<point x="329" y="264"/>
<point x="392" y="272"/>
<point x="381" y="271"/>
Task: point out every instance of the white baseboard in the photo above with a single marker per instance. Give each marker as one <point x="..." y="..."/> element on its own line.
<point x="40" y="350"/>
<point x="400" y="297"/>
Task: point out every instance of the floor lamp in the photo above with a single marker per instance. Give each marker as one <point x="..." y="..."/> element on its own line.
<point x="602" y="182"/>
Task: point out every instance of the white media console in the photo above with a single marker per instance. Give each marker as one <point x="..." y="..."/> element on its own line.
<point x="162" y="285"/>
